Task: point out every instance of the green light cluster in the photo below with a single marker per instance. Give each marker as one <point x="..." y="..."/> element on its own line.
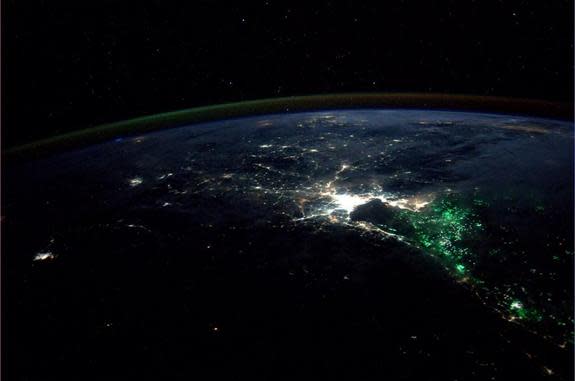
<point x="457" y="230"/>
<point x="519" y="311"/>
<point x="460" y="268"/>
<point x="445" y="229"/>
<point x="448" y="229"/>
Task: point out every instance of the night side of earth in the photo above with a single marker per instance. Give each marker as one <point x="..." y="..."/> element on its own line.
<point x="400" y="244"/>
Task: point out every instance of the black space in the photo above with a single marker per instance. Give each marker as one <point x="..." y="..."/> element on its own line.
<point x="75" y="64"/>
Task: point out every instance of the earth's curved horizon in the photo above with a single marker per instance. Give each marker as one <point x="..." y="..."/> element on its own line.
<point x="317" y="102"/>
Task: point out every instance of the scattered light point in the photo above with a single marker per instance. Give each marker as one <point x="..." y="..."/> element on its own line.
<point x="135" y="181"/>
<point x="44" y="256"/>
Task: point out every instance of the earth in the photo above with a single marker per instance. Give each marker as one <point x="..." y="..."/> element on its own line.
<point x="352" y="244"/>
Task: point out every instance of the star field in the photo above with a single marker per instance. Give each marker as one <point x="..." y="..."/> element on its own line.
<point x="79" y="64"/>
